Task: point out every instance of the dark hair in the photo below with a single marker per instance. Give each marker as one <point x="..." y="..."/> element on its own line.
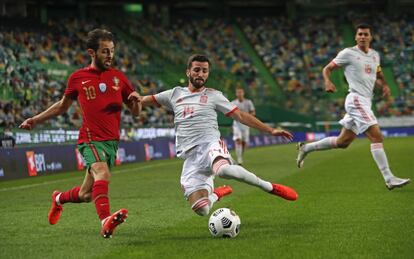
<point x="96" y="35"/>
<point x="363" y="26"/>
<point x="199" y="58"/>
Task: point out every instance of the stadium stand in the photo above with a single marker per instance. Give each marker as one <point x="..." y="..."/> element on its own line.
<point x="36" y="60"/>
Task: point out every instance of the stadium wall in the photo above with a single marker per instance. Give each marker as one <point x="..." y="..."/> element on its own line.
<point x="25" y="162"/>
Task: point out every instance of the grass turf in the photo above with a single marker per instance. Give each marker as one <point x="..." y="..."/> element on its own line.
<point x="343" y="211"/>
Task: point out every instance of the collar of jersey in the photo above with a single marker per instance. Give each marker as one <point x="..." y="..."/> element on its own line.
<point x="92" y="69"/>
<point x="199" y="91"/>
<point x="369" y="50"/>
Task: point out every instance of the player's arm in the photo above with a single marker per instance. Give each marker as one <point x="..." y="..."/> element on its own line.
<point x="149" y="100"/>
<point x="53" y="111"/>
<point x="134" y="103"/>
<point x="382" y="83"/>
<point x="251" y="121"/>
<point x="326" y="72"/>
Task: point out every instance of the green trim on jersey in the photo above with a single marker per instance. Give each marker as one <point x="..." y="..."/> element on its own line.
<point x="99" y="151"/>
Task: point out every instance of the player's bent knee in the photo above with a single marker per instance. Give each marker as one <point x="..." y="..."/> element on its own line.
<point x="203" y="211"/>
<point x="378" y="139"/>
<point x="218" y="164"/>
<point x="201" y="207"/>
<point x="343" y="143"/>
<point x="85" y="197"/>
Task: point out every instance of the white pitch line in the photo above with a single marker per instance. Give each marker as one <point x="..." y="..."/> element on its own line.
<point x="64" y="180"/>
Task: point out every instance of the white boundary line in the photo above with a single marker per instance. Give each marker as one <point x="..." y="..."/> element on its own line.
<point x="64" y="180"/>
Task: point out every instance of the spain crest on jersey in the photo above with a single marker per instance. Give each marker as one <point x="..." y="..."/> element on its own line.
<point x="203" y="98"/>
<point x="116" y="82"/>
<point x="368" y="69"/>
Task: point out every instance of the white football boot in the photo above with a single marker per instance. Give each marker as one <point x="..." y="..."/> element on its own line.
<point x="301" y="154"/>
<point x="394" y="182"/>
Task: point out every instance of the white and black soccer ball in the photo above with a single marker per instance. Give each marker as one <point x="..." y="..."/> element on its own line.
<point x="224" y="223"/>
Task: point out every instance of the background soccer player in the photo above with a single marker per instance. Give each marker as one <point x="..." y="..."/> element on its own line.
<point x="241" y="132"/>
<point x="100" y="91"/>
<point x="362" y="71"/>
<point x="198" y="138"/>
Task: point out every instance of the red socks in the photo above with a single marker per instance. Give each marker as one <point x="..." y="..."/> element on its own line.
<point x="100" y="197"/>
<point x="70" y="196"/>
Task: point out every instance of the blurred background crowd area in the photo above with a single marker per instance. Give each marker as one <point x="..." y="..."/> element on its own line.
<point x="277" y="58"/>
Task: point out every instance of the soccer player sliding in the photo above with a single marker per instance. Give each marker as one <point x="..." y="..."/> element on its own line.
<point x="198" y="139"/>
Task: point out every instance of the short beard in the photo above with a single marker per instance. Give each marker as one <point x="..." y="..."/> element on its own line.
<point x="195" y="84"/>
<point x="100" y="65"/>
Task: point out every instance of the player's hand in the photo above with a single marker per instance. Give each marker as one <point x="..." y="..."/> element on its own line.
<point x="28" y="124"/>
<point x="386" y="91"/>
<point x="330" y="87"/>
<point x="134" y="97"/>
<point x="284" y="133"/>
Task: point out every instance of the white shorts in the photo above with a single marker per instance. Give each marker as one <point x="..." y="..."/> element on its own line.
<point x="197" y="169"/>
<point x="241" y="133"/>
<point x="359" y="116"/>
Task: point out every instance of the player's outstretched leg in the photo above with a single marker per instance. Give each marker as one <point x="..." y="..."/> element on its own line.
<point x="223" y="169"/>
<point x="110" y="223"/>
<point x="58" y="199"/>
<point x="301" y="154"/>
<point x="305" y="149"/>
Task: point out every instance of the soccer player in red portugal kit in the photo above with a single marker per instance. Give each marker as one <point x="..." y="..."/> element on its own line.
<point x="100" y="91"/>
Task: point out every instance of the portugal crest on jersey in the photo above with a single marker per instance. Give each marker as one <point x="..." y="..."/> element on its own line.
<point x="116" y="82"/>
<point x="102" y="87"/>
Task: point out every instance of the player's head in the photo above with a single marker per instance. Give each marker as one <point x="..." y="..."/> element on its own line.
<point x="101" y="47"/>
<point x="198" y="69"/>
<point x="363" y="35"/>
<point x="240" y="93"/>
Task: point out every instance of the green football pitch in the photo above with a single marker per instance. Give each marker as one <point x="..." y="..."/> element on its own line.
<point x="344" y="211"/>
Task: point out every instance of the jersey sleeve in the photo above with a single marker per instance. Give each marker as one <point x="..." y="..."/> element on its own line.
<point x="251" y="106"/>
<point x="127" y="88"/>
<point x="224" y="105"/>
<point x="342" y="58"/>
<point x="164" y="99"/>
<point x="71" y="91"/>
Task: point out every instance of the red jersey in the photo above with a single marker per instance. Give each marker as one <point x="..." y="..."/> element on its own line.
<point x="100" y="95"/>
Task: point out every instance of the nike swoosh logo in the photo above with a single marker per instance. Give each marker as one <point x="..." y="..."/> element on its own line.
<point x="84" y="82"/>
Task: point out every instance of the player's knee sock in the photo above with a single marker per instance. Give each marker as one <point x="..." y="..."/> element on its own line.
<point x="212" y="198"/>
<point x="239" y="152"/>
<point x="201" y="206"/>
<point x="378" y="153"/>
<point x="100" y="197"/>
<point x="240" y="174"/>
<point x="71" y="195"/>
<point x="323" y="144"/>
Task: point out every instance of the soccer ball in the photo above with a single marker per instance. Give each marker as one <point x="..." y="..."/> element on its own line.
<point x="224" y="223"/>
